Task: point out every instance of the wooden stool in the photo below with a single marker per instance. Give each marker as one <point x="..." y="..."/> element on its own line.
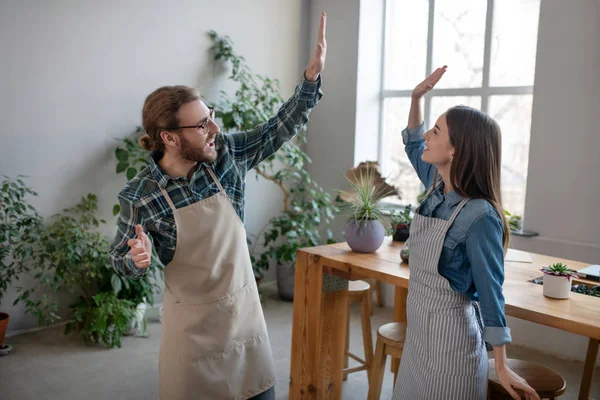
<point x="390" y="340"/>
<point x="375" y="287"/>
<point x="547" y="383"/>
<point x="359" y="292"/>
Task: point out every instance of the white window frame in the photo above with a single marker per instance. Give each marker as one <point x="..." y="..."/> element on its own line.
<point x="485" y="91"/>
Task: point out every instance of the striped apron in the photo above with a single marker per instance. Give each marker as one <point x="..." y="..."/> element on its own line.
<point x="444" y="354"/>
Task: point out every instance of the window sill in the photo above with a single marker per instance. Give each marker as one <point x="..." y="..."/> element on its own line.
<point x="388" y="207"/>
<point x="527" y="234"/>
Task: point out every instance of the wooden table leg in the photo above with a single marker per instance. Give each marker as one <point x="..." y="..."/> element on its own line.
<point x="318" y="333"/>
<point x="399" y="316"/>
<point x="588" y="369"/>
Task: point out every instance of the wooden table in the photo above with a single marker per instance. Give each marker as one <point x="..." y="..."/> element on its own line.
<point x="321" y="311"/>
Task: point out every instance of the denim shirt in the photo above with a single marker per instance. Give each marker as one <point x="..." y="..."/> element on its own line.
<point x="472" y="259"/>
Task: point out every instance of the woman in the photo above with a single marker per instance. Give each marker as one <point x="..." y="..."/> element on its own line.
<point x="458" y="238"/>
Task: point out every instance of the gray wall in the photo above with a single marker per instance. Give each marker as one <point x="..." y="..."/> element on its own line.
<point x="74" y="75"/>
<point x="563" y="186"/>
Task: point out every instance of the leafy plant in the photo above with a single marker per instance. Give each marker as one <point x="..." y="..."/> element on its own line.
<point x="307" y="208"/>
<point x="20" y="226"/>
<point x="588" y="290"/>
<point x="361" y="203"/>
<point x="71" y="257"/>
<point x="103" y="318"/>
<point x="559" y="269"/>
<point x="515" y="221"/>
<point x="131" y="158"/>
<point x="402" y="218"/>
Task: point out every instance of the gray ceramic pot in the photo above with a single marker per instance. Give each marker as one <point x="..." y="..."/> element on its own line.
<point x="364" y="236"/>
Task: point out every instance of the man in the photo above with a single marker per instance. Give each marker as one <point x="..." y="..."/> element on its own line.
<point x="190" y="199"/>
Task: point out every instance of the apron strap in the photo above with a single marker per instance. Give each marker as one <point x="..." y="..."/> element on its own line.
<point x="212" y="174"/>
<point x="168" y="198"/>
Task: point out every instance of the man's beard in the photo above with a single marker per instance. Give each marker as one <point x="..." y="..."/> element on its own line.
<point x="190" y="153"/>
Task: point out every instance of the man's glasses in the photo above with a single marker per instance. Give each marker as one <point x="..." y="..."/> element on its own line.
<point x="201" y="125"/>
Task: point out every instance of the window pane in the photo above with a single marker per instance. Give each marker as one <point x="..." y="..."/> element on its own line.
<point x="440" y="104"/>
<point x="458" y="39"/>
<point x="513" y="113"/>
<point x="395" y="163"/>
<point x="405" y="43"/>
<point x="513" y="50"/>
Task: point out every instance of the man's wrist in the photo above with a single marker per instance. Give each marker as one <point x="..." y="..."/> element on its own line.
<point x="310" y="75"/>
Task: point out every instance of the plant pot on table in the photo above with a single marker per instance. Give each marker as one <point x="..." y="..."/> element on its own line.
<point x="364" y="236"/>
<point x="401" y="232"/>
<point x="557" y="281"/>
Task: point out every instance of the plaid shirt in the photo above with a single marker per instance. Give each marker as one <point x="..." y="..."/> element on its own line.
<point x="142" y="201"/>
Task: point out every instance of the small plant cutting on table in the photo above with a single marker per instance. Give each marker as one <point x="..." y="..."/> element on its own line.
<point x="365" y="230"/>
<point x="401" y="224"/>
<point x="557" y="280"/>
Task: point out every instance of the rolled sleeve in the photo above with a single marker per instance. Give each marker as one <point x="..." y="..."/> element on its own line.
<point x="413" y="134"/>
<point x="414" y="147"/>
<point x="251" y="147"/>
<point x="486" y="256"/>
<point x="496" y="335"/>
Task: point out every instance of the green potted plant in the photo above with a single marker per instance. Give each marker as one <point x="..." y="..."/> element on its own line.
<point x="515" y="221"/>
<point x="73" y="257"/>
<point x="557" y="280"/>
<point x="401" y="224"/>
<point x="364" y="231"/>
<point x="19" y="231"/>
<point x="307" y="209"/>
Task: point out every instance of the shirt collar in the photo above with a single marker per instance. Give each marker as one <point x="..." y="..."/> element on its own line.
<point x="159" y="174"/>
<point x="452" y="198"/>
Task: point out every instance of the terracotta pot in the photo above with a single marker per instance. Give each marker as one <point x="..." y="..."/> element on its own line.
<point x="3" y="325"/>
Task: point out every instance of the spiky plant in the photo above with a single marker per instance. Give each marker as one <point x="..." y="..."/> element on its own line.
<point x="361" y="203"/>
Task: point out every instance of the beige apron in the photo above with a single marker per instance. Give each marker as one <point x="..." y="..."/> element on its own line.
<point x="214" y="342"/>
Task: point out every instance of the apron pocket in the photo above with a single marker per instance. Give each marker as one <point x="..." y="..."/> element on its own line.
<point x="242" y="371"/>
<point x="454" y="342"/>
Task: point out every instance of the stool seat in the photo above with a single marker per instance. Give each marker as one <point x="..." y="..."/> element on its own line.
<point x="546" y="382"/>
<point x="357" y="287"/>
<point x="393" y="334"/>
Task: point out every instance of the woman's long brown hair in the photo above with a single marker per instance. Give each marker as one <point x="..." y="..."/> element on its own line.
<point x="476" y="165"/>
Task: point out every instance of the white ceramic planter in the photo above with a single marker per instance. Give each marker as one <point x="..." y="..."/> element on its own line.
<point x="557" y="287"/>
<point x="137" y="325"/>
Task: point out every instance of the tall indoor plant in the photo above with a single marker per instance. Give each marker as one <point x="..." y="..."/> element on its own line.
<point x="20" y="226"/>
<point x="307" y="209"/>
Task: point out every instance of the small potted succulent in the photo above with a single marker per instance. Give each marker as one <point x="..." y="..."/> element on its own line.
<point x="364" y="231"/>
<point x="557" y="280"/>
<point x="401" y="224"/>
